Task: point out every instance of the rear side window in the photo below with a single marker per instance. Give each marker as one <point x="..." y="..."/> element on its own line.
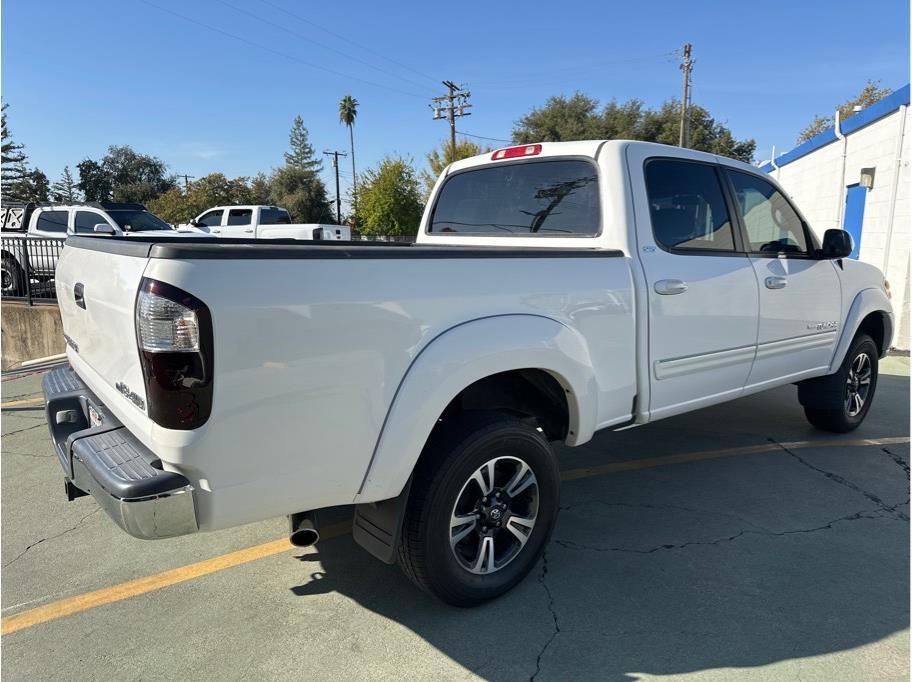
<point x="772" y="225"/>
<point x="687" y="206"/>
<point x="52" y="221"/>
<point x="239" y="216"/>
<point x="274" y="216"/>
<point x="556" y="198"/>
<point x="85" y="222"/>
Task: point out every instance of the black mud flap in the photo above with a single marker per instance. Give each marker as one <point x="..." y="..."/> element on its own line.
<point x="378" y="525"/>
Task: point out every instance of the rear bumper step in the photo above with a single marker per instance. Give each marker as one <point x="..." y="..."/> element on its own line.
<point x="109" y="462"/>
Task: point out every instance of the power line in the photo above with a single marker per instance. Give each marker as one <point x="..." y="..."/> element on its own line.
<point x="482" y="137"/>
<point x="319" y="44"/>
<point x="349" y="40"/>
<point x="279" y="52"/>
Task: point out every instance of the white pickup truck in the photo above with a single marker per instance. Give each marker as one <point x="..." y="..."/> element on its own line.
<point x="555" y="290"/>
<point x="263" y="222"/>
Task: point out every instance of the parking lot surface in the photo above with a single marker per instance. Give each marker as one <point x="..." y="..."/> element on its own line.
<point x="731" y="543"/>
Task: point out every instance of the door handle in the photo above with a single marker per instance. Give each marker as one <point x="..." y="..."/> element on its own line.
<point x="776" y="282"/>
<point x="215" y="230"/>
<point x="248" y="230"/>
<point x="670" y="287"/>
<point x="79" y="295"/>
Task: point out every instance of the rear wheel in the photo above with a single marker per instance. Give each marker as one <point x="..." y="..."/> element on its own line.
<point x="840" y="402"/>
<point x="482" y="506"/>
<point x="13" y="279"/>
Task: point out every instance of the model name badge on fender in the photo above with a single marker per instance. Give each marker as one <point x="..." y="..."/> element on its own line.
<point x="130" y="395"/>
<point x="823" y="326"/>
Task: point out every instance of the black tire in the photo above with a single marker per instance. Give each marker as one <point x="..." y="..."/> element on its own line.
<point x="443" y="480"/>
<point x="13" y="283"/>
<point x="840" y="402"/>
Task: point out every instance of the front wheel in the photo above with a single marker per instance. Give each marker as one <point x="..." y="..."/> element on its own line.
<point x="840" y="402"/>
<point x="482" y="506"/>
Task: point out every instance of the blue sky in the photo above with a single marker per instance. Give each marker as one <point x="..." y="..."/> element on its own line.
<point x="213" y="85"/>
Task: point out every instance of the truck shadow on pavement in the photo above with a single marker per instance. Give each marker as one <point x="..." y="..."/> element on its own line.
<point x="727" y="563"/>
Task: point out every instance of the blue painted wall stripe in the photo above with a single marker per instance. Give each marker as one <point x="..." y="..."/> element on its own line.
<point x="876" y="111"/>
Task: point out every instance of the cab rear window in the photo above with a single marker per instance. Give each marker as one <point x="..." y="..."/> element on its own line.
<point x="550" y="198"/>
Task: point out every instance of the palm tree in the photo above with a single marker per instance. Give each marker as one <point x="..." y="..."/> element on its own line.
<point x="348" y="111"/>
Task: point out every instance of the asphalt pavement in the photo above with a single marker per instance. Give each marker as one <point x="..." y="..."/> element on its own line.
<point x="736" y="542"/>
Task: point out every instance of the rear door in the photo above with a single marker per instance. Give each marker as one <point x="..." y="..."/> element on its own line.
<point x="800" y="296"/>
<point x="702" y="292"/>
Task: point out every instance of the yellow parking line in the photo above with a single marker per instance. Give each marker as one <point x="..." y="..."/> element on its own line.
<point x="133" y="588"/>
<point x="26" y="401"/>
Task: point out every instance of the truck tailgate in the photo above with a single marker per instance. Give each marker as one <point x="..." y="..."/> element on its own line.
<point x="97" y="292"/>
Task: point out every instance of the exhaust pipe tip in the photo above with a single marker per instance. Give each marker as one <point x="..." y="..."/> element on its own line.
<point x="304" y="531"/>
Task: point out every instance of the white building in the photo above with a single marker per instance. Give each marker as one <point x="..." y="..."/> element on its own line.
<point x="856" y="176"/>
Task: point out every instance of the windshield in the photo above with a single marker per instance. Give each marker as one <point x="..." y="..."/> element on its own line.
<point x="138" y="221"/>
<point x="543" y="197"/>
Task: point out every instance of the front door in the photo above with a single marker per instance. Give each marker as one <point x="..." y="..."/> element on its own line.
<point x="800" y="296"/>
<point x="702" y="293"/>
<point x="238" y="223"/>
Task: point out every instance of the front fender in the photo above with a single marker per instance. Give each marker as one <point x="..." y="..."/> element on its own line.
<point x="461" y="356"/>
<point x="867" y="301"/>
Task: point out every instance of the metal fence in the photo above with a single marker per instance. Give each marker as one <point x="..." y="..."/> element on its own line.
<point x="28" y="268"/>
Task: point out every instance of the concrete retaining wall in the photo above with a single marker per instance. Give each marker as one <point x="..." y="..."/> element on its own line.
<point x="29" y="332"/>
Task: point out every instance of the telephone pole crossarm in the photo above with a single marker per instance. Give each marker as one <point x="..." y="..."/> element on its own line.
<point x="450" y="107"/>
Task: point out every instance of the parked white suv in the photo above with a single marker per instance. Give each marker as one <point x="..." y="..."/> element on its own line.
<point x="263" y="222"/>
<point x="556" y="290"/>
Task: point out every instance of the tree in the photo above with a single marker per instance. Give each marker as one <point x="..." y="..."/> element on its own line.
<point x="302" y="193"/>
<point x="14" y="166"/>
<point x="259" y="189"/>
<point x="302" y="152"/>
<point x="390" y="201"/>
<point x="440" y="158"/>
<point x="94" y="182"/>
<point x="348" y="111"/>
<point x="32" y="186"/>
<point x="179" y="205"/>
<point x="65" y="189"/>
<point x="135" y="177"/>
<point x="870" y="93"/>
<point x="579" y="118"/>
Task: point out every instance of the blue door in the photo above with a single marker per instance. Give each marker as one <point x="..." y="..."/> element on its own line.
<point x="854" y="215"/>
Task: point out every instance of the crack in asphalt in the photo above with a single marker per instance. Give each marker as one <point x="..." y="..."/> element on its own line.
<point x="52" y="537"/>
<point x="836" y="478"/>
<point x="900" y="462"/>
<point x="27" y="454"/>
<point x="693" y="510"/>
<point x="556" y="632"/>
<point x="27" y="428"/>
<point x="863" y="514"/>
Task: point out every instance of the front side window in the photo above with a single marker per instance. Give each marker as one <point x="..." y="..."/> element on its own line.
<point x="85" y="222"/>
<point x="52" y="221"/>
<point x="771" y="223"/>
<point x="687" y="206"/>
<point x="557" y="198"/>
<point x="274" y="216"/>
<point x="239" y="216"/>
<point x="211" y="219"/>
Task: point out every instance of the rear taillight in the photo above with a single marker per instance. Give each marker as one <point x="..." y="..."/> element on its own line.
<point x="174" y="334"/>
<point x="517" y="152"/>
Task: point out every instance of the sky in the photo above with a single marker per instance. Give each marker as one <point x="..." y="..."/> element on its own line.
<point x="214" y="85"/>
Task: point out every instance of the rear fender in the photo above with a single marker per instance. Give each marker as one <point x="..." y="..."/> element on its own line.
<point x="458" y="358"/>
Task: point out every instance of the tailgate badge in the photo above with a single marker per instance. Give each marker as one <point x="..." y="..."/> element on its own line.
<point x="130" y="395"/>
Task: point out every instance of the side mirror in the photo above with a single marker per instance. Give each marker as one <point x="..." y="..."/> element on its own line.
<point x="836" y="244"/>
<point x="196" y="223"/>
<point x="103" y="228"/>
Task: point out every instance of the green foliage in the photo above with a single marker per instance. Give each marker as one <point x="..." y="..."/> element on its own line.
<point x="348" y="111"/>
<point x="870" y="93"/>
<point x="259" y="189"/>
<point x="440" y="158"/>
<point x="65" y="188"/>
<point x="124" y="175"/>
<point x="180" y="205"/>
<point x="580" y="118"/>
<point x="14" y="166"/>
<point x="302" y="152"/>
<point x="389" y="202"/>
<point x="33" y="185"/>
<point x="302" y="193"/>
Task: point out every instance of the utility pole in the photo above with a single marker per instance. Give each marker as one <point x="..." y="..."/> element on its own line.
<point x="187" y="179"/>
<point x="686" y="67"/>
<point x="450" y="106"/>
<point x="336" y="155"/>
